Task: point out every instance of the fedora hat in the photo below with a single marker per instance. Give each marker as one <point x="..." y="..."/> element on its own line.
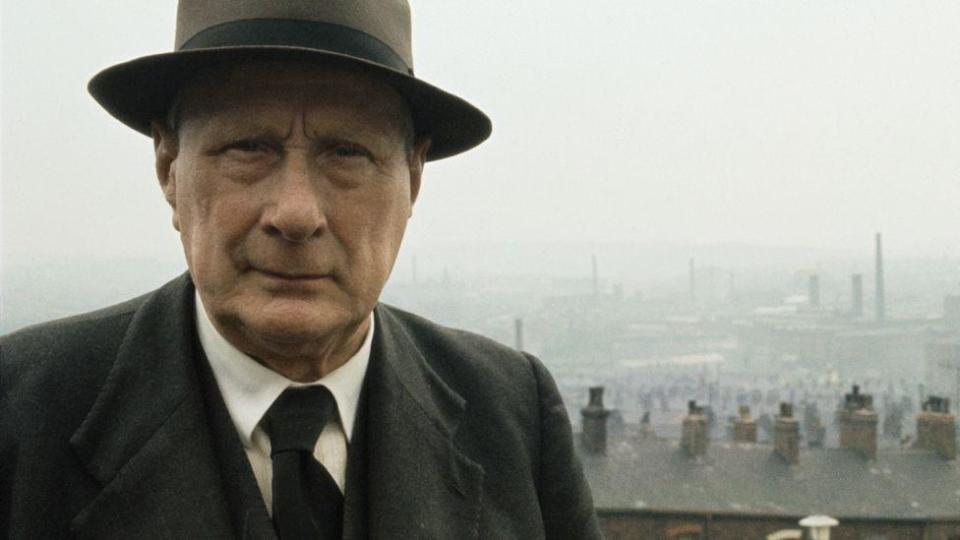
<point x="371" y="36"/>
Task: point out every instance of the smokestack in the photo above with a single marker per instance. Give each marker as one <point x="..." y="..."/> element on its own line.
<point x="858" y="424"/>
<point x="937" y="428"/>
<point x="595" y="423"/>
<point x="596" y="278"/>
<point x="813" y="292"/>
<point x="694" y="437"/>
<point x="856" y="295"/>
<point x="881" y="300"/>
<point x="744" y="428"/>
<point x="518" y="333"/>
<point x="786" y="438"/>
<point x="693" y="280"/>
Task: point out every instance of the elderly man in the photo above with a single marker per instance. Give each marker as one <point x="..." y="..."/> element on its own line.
<point x="266" y="393"/>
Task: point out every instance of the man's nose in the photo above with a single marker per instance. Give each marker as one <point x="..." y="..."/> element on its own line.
<point x="296" y="212"/>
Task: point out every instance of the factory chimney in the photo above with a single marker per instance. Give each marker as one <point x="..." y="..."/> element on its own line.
<point x="813" y="292"/>
<point x="596" y="278"/>
<point x="693" y="281"/>
<point x="881" y="300"/>
<point x="595" y="423"/>
<point x="518" y="333"/>
<point x="856" y="295"/>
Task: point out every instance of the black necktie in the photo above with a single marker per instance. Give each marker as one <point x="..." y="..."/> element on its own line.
<point x="306" y="500"/>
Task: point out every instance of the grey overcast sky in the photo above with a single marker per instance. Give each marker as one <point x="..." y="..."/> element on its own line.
<point x="809" y="123"/>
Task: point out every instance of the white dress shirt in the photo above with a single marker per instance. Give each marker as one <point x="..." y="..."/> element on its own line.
<point x="250" y="388"/>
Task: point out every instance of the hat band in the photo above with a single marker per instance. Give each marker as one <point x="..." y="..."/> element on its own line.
<point x="298" y="33"/>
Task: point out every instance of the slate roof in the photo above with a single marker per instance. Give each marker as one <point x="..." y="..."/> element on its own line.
<point x="656" y="475"/>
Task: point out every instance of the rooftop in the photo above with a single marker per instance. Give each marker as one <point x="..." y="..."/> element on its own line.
<point x="656" y="474"/>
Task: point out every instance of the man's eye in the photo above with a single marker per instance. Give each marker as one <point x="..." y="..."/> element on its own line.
<point x="248" y="146"/>
<point x="346" y="151"/>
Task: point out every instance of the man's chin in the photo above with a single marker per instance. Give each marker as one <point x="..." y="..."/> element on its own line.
<point x="291" y="326"/>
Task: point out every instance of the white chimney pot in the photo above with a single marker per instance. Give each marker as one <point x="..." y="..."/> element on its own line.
<point x="819" y="526"/>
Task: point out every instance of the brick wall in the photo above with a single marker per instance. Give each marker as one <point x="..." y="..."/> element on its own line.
<point x="641" y="524"/>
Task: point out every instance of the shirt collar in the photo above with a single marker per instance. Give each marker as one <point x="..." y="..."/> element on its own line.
<point x="250" y="388"/>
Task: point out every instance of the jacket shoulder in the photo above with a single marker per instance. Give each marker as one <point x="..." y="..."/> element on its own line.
<point x="517" y="426"/>
<point x="61" y="355"/>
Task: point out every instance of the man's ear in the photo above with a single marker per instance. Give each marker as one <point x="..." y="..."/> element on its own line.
<point x="165" y="147"/>
<point x="417" y="159"/>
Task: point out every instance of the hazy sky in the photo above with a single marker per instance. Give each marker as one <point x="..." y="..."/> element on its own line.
<point x="769" y="122"/>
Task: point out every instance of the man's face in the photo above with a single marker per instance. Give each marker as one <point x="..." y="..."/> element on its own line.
<point x="291" y="187"/>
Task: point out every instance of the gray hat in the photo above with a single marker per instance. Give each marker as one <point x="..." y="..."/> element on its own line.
<point x="372" y="36"/>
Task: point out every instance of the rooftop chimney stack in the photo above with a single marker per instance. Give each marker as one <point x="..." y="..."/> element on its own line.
<point x="694" y="437"/>
<point x="881" y="300"/>
<point x="813" y="292"/>
<point x="937" y="428"/>
<point x="858" y="424"/>
<point x="646" y="430"/>
<point x="786" y="438"/>
<point x="744" y="427"/>
<point x="856" y="295"/>
<point x="595" y="423"/>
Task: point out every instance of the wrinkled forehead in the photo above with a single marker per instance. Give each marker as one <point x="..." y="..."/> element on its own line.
<point x="262" y="88"/>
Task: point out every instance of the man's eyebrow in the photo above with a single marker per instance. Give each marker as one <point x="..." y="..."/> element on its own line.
<point x="247" y="128"/>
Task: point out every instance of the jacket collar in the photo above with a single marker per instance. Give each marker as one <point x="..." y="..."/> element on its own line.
<point x="146" y="438"/>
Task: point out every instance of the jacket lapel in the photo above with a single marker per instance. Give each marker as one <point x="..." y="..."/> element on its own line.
<point x="420" y="485"/>
<point x="147" y="440"/>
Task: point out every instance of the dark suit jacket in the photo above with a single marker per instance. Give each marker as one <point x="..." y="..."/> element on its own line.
<point x="111" y="427"/>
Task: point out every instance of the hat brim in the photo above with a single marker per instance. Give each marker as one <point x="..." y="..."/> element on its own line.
<point x="142" y="90"/>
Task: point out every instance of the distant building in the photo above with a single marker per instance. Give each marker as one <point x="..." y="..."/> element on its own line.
<point x="695" y="488"/>
<point x="895" y="348"/>
<point x="951" y="311"/>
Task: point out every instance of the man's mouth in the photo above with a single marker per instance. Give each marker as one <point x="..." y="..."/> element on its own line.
<point x="292" y="275"/>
